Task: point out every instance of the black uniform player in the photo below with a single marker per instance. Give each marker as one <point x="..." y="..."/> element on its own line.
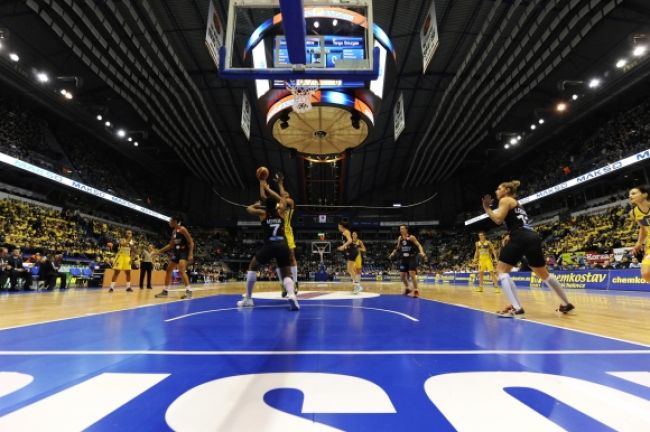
<point x="523" y="242"/>
<point x="407" y="249"/>
<point x="351" y="252"/>
<point x="271" y="215"/>
<point x="181" y="246"/>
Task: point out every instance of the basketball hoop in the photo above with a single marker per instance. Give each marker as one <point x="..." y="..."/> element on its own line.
<point x="321" y="248"/>
<point x="302" y="91"/>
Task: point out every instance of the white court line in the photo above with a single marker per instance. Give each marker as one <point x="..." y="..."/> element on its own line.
<point x="543" y="323"/>
<point x="284" y="306"/>
<point x="279" y="353"/>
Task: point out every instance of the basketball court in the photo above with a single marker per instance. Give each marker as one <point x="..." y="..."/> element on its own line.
<point x="376" y="361"/>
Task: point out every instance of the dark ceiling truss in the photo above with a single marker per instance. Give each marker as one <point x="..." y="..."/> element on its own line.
<point x="126" y="66"/>
<point x="544" y="41"/>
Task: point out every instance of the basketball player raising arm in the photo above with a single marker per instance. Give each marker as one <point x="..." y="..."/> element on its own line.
<point x="640" y="213"/>
<point x="271" y="212"/>
<point x="524" y="241"/>
<point x="290" y="208"/>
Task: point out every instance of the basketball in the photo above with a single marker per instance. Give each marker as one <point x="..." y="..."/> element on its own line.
<point x="262" y="173"/>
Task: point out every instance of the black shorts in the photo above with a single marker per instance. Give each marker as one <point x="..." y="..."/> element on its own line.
<point x="523" y="243"/>
<point x="278" y="250"/>
<point x="351" y="253"/>
<point x="408" y="264"/>
<point x="179" y="255"/>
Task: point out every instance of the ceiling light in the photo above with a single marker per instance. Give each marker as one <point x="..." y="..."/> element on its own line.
<point x="397" y="205"/>
<point x="136" y="144"/>
<point x="518" y="137"/>
<point x="316" y="24"/>
<point x="42" y="77"/>
<point x="335" y="22"/>
<point x="129" y="139"/>
<point x="533" y="127"/>
<point x="574" y="97"/>
<point x="561" y="107"/>
<point x="121" y="133"/>
<point x="107" y="124"/>
<point x="639" y="50"/>
<point x="540" y="121"/>
<point x="68" y="95"/>
<point x="63" y="92"/>
<point x="99" y="117"/>
<point x="595" y="82"/>
<point x="14" y="57"/>
<point x="621" y="63"/>
<point x="513" y="141"/>
<point x="507" y="146"/>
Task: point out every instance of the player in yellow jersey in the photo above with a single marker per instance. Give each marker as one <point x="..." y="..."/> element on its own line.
<point x="484" y="258"/>
<point x="290" y="208"/>
<point x="358" y="262"/>
<point x="640" y="199"/>
<point x="122" y="261"/>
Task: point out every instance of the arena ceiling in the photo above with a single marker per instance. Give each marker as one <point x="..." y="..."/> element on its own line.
<point x="498" y="63"/>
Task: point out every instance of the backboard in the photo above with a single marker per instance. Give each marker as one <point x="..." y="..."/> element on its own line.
<point x="293" y="39"/>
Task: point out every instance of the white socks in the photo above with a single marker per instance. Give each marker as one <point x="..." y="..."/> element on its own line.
<point x="294" y="273"/>
<point x="251" y="277"/>
<point x="288" y="285"/>
<point x="510" y="289"/>
<point x="555" y="285"/>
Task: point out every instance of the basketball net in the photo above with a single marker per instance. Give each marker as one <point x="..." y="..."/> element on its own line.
<point x="321" y="251"/>
<point x="302" y="91"/>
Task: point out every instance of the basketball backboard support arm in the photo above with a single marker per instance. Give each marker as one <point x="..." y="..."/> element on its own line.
<point x="293" y="19"/>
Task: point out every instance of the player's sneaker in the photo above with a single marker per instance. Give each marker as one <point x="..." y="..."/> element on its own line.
<point x="293" y="303"/>
<point x="497" y="290"/>
<point x="284" y="291"/>
<point x="129" y="289"/>
<point x="246" y="302"/>
<point x="511" y="312"/>
<point x="162" y="294"/>
<point x="478" y="289"/>
<point x="416" y="294"/>
<point x="566" y="309"/>
<point x="357" y="289"/>
<point x="110" y="290"/>
<point x="187" y="295"/>
<point x="295" y="287"/>
<point x="407" y="291"/>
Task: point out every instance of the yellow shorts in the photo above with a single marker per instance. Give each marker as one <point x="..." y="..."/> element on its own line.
<point x="358" y="262"/>
<point x="485" y="264"/>
<point x="290" y="240"/>
<point x="122" y="262"/>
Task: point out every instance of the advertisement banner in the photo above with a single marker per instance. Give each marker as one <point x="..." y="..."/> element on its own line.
<point x="429" y="38"/>
<point x="615" y="280"/>
<point x="399" y="121"/>
<point x="214" y="34"/>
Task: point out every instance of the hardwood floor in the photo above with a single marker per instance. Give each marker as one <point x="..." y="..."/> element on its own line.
<point x="623" y="315"/>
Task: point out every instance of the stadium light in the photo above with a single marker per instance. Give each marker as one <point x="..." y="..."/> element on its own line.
<point x="513" y="141"/>
<point x="99" y="117"/>
<point x="107" y="124"/>
<point x="121" y="133"/>
<point x="68" y="95"/>
<point x="14" y="57"/>
<point x="621" y="63"/>
<point x="136" y="144"/>
<point x="129" y="139"/>
<point x="518" y="138"/>
<point x="316" y="24"/>
<point x="42" y="77"/>
<point x="639" y="50"/>
<point x="397" y="205"/>
<point x="506" y="146"/>
<point x="561" y="107"/>
<point x="593" y="83"/>
<point x="574" y="97"/>
<point x="533" y="127"/>
<point x="540" y="121"/>
<point x="335" y="22"/>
